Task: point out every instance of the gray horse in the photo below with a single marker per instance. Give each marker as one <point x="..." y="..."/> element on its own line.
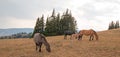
<point x="39" y="39"/>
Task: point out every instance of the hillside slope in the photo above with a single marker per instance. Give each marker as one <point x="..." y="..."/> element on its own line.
<point x="107" y="46"/>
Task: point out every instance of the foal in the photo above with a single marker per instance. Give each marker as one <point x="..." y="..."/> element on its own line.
<point x="76" y="35"/>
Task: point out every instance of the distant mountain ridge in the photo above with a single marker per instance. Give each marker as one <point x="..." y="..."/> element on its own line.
<point x="10" y="31"/>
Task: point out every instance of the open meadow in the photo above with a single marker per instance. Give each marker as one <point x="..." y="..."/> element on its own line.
<point x="108" y="45"/>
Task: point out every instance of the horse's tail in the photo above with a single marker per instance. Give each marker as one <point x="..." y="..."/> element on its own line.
<point x="96" y="36"/>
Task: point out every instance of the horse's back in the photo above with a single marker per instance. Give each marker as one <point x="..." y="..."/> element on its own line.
<point x="68" y="32"/>
<point x="87" y="32"/>
<point x="37" y="37"/>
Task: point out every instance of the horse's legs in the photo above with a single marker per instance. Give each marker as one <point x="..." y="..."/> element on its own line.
<point x="65" y="36"/>
<point x="36" y="46"/>
<point x="40" y="44"/>
<point x="80" y="37"/>
<point x="76" y="36"/>
<point x="90" y="37"/>
<point x="70" y="37"/>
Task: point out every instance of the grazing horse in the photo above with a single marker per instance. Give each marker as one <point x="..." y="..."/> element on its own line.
<point x="76" y="35"/>
<point x="68" y="32"/>
<point x="40" y="39"/>
<point x="90" y="33"/>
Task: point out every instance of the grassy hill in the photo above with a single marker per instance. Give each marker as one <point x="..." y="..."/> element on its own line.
<point x="107" y="46"/>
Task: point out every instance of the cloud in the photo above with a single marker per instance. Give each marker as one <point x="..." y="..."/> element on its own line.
<point x="95" y="14"/>
<point x="110" y="1"/>
<point x="12" y="22"/>
<point x="26" y="8"/>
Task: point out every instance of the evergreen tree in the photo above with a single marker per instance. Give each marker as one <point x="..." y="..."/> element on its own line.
<point x="117" y="24"/>
<point x="36" y="27"/>
<point x="53" y="13"/>
<point x="112" y="25"/>
<point x="41" y="24"/>
<point x="68" y="22"/>
<point x="47" y="25"/>
<point x="57" y="24"/>
<point x="39" y="27"/>
<point x="109" y="26"/>
<point x="51" y="24"/>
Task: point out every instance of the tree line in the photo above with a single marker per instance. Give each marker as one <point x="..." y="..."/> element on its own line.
<point x="55" y="24"/>
<point x="114" y="25"/>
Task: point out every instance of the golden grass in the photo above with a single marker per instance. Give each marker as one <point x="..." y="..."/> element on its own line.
<point x="107" y="46"/>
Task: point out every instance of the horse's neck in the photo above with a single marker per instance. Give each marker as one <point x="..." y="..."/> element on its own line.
<point x="45" y="42"/>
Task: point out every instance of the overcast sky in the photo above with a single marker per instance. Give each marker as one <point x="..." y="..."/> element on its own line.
<point x="90" y="14"/>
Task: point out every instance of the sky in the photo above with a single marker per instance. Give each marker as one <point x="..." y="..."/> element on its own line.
<point x="90" y="14"/>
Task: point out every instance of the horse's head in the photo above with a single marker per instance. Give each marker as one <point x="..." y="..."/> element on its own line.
<point x="48" y="48"/>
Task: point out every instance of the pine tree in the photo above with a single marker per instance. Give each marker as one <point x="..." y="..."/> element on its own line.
<point x="58" y="23"/>
<point x="67" y="12"/>
<point x="41" y="24"/>
<point x="36" y="27"/>
<point x="53" y="13"/>
<point x="51" y="24"/>
<point x="68" y="22"/>
<point x="39" y="27"/>
<point x="47" y="25"/>
<point x="109" y="26"/>
<point x="117" y="24"/>
<point x="112" y="25"/>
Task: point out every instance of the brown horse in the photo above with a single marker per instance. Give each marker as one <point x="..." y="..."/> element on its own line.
<point x="90" y="33"/>
<point x="40" y="39"/>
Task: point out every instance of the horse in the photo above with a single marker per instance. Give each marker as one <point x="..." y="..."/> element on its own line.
<point x="76" y="35"/>
<point x="40" y="39"/>
<point x="90" y="33"/>
<point x="68" y="32"/>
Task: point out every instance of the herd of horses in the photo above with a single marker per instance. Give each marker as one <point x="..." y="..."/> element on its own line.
<point x="40" y="39"/>
<point x="79" y="35"/>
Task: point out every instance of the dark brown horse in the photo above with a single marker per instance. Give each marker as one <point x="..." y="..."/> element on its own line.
<point x="68" y="32"/>
<point x="40" y="39"/>
<point x="90" y="33"/>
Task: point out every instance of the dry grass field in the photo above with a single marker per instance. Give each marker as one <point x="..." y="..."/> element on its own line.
<point x="107" y="46"/>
